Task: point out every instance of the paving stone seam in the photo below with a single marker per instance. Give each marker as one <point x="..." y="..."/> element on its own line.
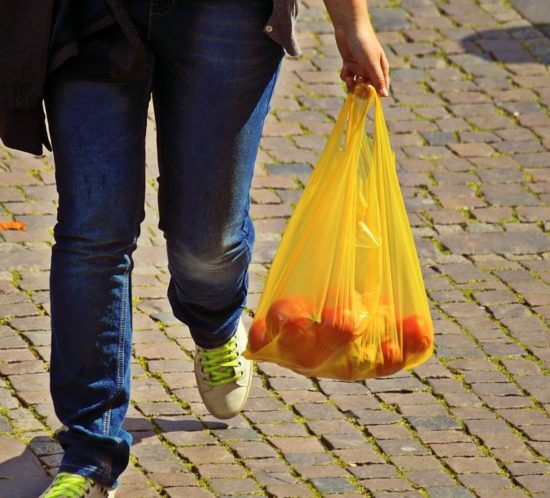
<point x="24" y="437"/>
<point x="144" y="363"/>
<point x="502" y="327"/>
<point x="485" y="450"/>
<point x="188" y="464"/>
<point x="432" y="239"/>
<point x="187" y="408"/>
<point x="134" y="461"/>
<point x="513" y="428"/>
<point x="502" y="24"/>
<point x="16" y="279"/>
<point x="158" y="431"/>
<point x="469" y="295"/>
<point x="350" y="477"/>
<point x="372" y="440"/>
<point x="4" y="415"/>
<point x="466" y="74"/>
<point x="536" y="278"/>
<point x="405" y="423"/>
<point x="18" y="433"/>
<point x="294" y="472"/>
<point x="502" y="368"/>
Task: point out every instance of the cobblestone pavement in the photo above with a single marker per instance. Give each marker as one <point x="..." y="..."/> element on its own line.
<point x="470" y="124"/>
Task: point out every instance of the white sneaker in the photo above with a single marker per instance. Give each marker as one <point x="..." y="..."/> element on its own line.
<point x="224" y="376"/>
<point x="67" y="485"/>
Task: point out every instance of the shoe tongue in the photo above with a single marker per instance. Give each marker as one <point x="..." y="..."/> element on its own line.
<point x="225" y="354"/>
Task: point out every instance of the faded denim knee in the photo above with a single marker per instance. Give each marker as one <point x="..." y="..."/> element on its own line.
<point x="208" y="287"/>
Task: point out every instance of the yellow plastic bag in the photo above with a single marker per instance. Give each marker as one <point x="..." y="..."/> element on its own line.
<point x="345" y="297"/>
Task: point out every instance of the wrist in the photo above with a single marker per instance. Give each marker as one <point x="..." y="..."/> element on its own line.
<point x="348" y="14"/>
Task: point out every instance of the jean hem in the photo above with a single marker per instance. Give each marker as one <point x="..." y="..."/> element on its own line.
<point x="91" y="471"/>
<point x="231" y="324"/>
<point x="217" y="344"/>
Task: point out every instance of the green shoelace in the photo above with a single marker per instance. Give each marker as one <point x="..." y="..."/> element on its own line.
<point x="219" y="365"/>
<point x="67" y="485"/>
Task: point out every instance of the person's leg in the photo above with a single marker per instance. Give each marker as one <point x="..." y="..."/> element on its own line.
<point x="215" y="73"/>
<point x="98" y="136"/>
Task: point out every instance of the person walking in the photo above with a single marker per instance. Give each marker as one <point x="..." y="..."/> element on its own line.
<point x="210" y="67"/>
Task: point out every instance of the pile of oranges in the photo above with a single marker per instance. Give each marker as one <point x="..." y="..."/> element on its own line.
<point x="308" y="337"/>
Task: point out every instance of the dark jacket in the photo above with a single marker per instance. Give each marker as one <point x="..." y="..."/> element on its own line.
<point x="29" y="51"/>
<point x="38" y="36"/>
<point x="24" y="37"/>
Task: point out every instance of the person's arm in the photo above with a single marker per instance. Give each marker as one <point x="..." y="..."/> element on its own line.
<point x="362" y="54"/>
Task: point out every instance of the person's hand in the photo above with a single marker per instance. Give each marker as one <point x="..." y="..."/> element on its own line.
<point x="362" y="55"/>
<point x="363" y="59"/>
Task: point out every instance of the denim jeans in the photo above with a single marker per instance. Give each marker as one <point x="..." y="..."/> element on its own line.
<point x="212" y="75"/>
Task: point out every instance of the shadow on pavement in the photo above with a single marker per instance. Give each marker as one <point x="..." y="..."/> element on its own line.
<point x="527" y="44"/>
<point x="141" y="428"/>
<point x="22" y="475"/>
<point x="183" y="425"/>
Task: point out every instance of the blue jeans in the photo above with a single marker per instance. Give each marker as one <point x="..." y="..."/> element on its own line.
<point x="212" y="75"/>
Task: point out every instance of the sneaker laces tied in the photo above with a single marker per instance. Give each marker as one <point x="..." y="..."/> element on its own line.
<point x="221" y="365"/>
<point x="67" y="485"/>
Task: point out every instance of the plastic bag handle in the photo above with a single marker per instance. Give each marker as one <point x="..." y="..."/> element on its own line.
<point x="348" y="129"/>
<point x="354" y="115"/>
<point x="349" y="117"/>
<point x="360" y="102"/>
<point x="381" y="135"/>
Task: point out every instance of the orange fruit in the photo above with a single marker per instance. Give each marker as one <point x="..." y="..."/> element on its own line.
<point x="299" y="344"/>
<point x="417" y="334"/>
<point x="290" y="320"/>
<point x="392" y="358"/>
<point x="257" y="335"/>
<point x="337" y="326"/>
<point x="288" y="313"/>
<point x="391" y="352"/>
